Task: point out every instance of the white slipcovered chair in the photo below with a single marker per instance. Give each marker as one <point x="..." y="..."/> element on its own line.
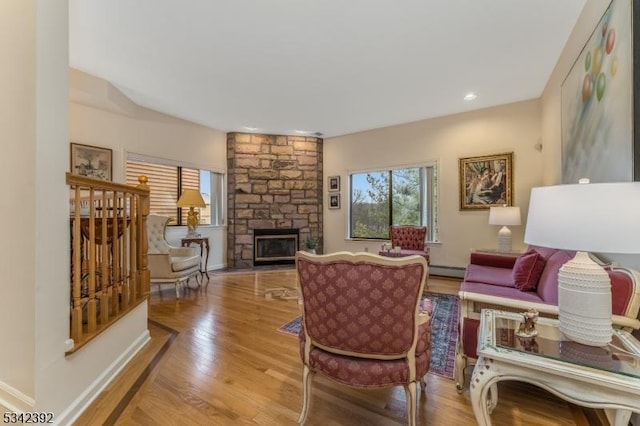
<point x="169" y="264"/>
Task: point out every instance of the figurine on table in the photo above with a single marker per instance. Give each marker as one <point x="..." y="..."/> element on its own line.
<point x="527" y="327"/>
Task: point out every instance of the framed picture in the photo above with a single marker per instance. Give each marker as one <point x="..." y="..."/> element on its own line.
<point x="600" y="105"/>
<point x="91" y="161"/>
<point x="334" y="183"/>
<point x="334" y="201"/>
<point x="486" y="181"/>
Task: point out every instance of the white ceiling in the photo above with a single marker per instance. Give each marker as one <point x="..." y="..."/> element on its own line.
<point x="329" y="66"/>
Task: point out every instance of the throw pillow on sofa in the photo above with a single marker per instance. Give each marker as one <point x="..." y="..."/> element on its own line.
<point x="527" y="270"/>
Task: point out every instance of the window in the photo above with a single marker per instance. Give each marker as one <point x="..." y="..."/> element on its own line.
<point x="399" y="196"/>
<point x="167" y="180"/>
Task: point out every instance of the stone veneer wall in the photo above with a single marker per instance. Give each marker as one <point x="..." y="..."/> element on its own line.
<point x="273" y="182"/>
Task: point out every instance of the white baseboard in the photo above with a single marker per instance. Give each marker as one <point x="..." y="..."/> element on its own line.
<point x="73" y="411"/>
<point x="217" y="266"/>
<point x="11" y="399"/>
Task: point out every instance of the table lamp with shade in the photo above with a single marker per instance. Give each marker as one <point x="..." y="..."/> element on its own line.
<point x="192" y="198"/>
<point x="505" y="216"/>
<point x="586" y="217"/>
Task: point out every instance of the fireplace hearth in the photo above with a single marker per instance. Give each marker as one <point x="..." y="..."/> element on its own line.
<point x="275" y="246"/>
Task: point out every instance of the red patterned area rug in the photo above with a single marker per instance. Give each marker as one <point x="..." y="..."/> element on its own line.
<point x="444" y="332"/>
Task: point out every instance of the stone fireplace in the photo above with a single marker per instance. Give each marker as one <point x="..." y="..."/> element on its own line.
<point x="274" y="183"/>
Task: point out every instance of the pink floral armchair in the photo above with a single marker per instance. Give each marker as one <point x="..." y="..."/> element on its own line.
<point x="410" y="239"/>
<point x="362" y="323"/>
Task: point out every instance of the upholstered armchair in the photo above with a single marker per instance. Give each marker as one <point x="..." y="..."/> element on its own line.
<point x="169" y="264"/>
<point x="410" y="239"/>
<point x="362" y="323"/>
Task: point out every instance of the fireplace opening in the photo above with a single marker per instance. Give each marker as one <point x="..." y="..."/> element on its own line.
<point x="275" y="246"/>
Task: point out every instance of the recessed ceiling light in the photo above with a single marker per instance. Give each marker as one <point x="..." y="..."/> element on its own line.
<point x="302" y="132"/>
<point x="470" y="96"/>
<point x="251" y="128"/>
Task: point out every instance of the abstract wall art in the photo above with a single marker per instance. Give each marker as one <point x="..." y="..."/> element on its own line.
<point x="598" y="96"/>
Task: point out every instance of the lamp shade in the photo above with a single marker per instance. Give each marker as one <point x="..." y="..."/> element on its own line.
<point x="191" y="198"/>
<point x="504" y="216"/>
<point x="595" y="217"/>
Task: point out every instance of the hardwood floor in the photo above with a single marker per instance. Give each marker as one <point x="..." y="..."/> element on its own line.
<point x="216" y="358"/>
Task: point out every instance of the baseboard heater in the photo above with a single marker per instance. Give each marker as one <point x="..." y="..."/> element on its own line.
<point x="447" y="271"/>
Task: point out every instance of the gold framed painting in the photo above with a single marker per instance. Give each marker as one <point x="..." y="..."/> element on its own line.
<point x="91" y="161"/>
<point x="486" y="181"/>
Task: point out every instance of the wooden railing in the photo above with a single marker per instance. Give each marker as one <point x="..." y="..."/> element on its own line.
<point x="109" y="266"/>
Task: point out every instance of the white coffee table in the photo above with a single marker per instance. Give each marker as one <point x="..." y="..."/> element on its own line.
<point x="607" y="378"/>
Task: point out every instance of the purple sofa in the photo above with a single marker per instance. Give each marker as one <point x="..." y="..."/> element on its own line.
<point x="492" y="281"/>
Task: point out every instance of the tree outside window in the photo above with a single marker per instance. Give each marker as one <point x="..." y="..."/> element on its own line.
<point x="403" y="196"/>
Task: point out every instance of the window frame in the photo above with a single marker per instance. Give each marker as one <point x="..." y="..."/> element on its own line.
<point x="429" y="201"/>
<point x="221" y="215"/>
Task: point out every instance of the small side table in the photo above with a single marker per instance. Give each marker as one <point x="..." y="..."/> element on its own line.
<point x="596" y="377"/>
<point x="203" y="242"/>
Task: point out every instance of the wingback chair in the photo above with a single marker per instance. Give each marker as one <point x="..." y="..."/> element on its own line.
<point x="410" y="239"/>
<point x="362" y="323"/>
<point x="169" y="264"/>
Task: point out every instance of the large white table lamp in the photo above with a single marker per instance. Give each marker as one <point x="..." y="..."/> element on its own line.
<point x="593" y="217"/>
<point x="505" y="216"/>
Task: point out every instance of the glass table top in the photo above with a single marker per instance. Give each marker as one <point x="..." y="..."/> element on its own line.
<point x="621" y="356"/>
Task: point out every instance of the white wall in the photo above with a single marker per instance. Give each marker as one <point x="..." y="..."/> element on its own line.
<point x="508" y="128"/>
<point x="101" y="115"/>
<point x="18" y="174"/>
